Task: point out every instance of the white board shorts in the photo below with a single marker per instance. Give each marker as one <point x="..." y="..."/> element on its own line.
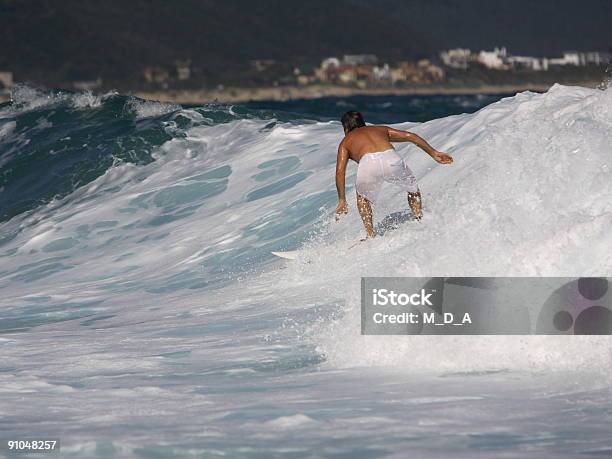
<point x="383" y="166"/>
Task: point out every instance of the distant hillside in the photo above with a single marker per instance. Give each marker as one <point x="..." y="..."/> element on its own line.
<point x="52" y="41"/>
<point x="47" y="40"/>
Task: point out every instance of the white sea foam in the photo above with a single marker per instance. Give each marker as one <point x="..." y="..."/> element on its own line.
<point x="87" y="100"/>
<point x="7" y="129"/>
<point x="149" y="108"/>
<point x="529" y="194"/>
<point x="27" y="98"/>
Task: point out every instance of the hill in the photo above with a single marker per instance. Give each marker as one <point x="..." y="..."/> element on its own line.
<point x="53" y="41"/>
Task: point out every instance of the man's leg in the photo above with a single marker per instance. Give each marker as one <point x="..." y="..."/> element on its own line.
<point x="414" y="201"/>
<point x="365" y="210"/>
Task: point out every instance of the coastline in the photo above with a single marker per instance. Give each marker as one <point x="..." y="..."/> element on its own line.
<point x="283" y="93"/>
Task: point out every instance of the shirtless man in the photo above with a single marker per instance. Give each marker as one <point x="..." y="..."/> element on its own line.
<point x="370" y="147"/>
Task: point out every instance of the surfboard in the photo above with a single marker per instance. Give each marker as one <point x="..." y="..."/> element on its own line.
<point x="294" y="254"/>
<point x="291" y="255"/>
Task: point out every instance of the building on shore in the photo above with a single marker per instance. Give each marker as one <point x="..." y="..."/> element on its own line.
<point x="363" y="70"/>
<point x="304" y="74"/>
<point x="582" y="59"/>
<point x="336" y="71"/>
<point x="597" y="58"/>
<point x="535" y="64"/>
<point x="156" y="75"/>
<point x="359" y="75"/>
<point x="431" y="72"/>
<point x="6" y="80"/>
<point x="359" y="59"/>
<point x="183" y="70"/>
<point x="457" y="58"/>
<point x="330" y="62"/>
<point x="496" y="59"/>
<point x="328" y="70"/>
<point x="500" y="59"/>
<point x="381" y="74"/>
<point x="421" y="72"/>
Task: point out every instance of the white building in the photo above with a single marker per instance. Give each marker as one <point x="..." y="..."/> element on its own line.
<point x="569" y="58"/>
<point x="572" y="58"/>
<point x="327" y="71"/>
<point x="597" y="58"/>
<point x="527" y="62"/>
<point x="496" y="59"/>
<point x="580" y="59"/>
<point x="457" y="58"/>
<point x="589" y="58"/>
<point x="499" y="59"/>
<point x="359" y="59"/>
<point x="330" y="62"/>
<point x="381" y="73"/>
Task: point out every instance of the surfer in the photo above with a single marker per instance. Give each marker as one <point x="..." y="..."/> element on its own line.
<point x="370" y="147"/>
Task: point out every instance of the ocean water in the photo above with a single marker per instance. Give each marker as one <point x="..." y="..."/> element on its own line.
<point x="142" y="314"/>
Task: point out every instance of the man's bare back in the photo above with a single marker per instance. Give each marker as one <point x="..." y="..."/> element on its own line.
<point x="366" y="139"/>
<point x="361" y="140"/>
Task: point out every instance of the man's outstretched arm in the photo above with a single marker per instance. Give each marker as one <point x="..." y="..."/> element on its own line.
<point x="395" y="135"/>
<point x="341" y="162"/>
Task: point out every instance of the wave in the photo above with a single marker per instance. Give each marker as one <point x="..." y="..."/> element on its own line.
<point x="164" y="203"/>
<point x="53" y="142"/>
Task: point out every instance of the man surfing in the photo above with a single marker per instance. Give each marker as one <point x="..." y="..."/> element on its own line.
<point x="370" y="147"/>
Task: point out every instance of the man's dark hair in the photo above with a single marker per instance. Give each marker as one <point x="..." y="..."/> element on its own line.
<point x="352" y="120"/>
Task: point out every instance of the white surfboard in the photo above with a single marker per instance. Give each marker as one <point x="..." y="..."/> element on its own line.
<point x="291" y="255"/>
<point x="294" y="254"/>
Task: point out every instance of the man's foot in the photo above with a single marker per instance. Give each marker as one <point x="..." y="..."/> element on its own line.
<point x="369" y="236"/>
<point x="414" y="201"/>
